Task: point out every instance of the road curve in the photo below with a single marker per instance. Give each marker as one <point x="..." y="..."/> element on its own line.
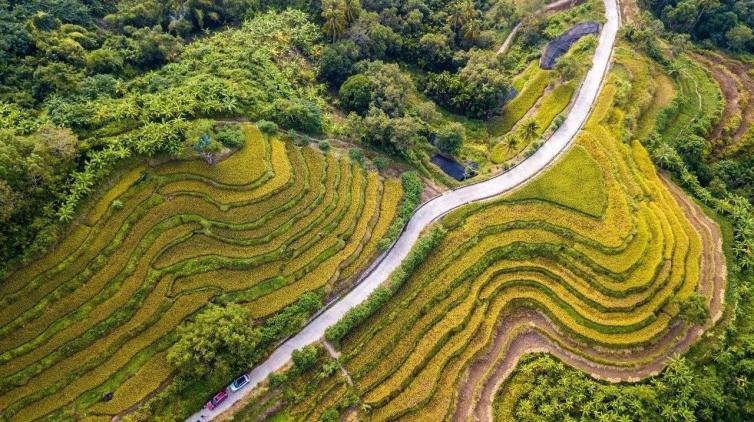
<point x="437" y="207"/>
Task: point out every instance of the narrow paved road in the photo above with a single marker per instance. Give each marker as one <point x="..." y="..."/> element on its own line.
<point x="441" y="205"/>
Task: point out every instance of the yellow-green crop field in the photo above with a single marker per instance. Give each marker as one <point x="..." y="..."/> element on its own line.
<point x="536" y="81"/>
<point x="260" y="228"/>
<point x="598" y="246"/>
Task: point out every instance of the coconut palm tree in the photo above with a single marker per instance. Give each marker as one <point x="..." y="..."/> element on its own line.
<point x="531" y="129"/>
<point x="468" y="11"/>
<point x="471" y="30"/>
<point x="335" y="19"/>
<point x="511" y="142"/>
<point x="456" y="18"/>
<point x="65" y="213"/>
<point x="665" y="156"/>
<point x="351" y="10"/>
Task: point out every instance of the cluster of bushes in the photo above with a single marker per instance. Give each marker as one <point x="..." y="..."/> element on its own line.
<point x="434" y="35"/>
<point x="378" y="98"/>
<point x="442" y="37"/>
<point x="479" y="89"/>
<point x="544" y="385"/>
<point x="298" y="114"/>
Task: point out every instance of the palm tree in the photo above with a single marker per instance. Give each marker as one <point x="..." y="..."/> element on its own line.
<point x="462" y="13"/>
<point x="511" y="142"/>
<point x="351" y="10"/>
<point x="471" y="30"/>
<point x="65" y="213"/>
<point x="468" y="11"/>
<point x="665" y="156"/>
<point x="531" y="129"/>
<point x="335" y="20"/>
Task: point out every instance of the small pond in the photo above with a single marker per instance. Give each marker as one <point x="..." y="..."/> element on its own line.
<point x="450" y="166"/>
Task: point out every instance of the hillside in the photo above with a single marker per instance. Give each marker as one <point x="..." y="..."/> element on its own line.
<point x="347" y="210"/>
<point x="596" y="262"/>
<point x="268" y="226"/>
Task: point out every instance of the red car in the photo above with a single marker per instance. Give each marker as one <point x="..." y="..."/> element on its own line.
<point x="215" y="401"/>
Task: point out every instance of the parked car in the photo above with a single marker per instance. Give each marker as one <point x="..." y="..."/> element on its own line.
<point x="239" y="383"/>
<point x="219" y="398"/>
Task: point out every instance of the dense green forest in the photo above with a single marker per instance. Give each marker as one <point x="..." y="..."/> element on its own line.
<point x="727" y="24"/>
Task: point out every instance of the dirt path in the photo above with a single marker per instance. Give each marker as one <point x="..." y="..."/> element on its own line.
<point x="629" y="10"/>
<point x="526" y="331"/>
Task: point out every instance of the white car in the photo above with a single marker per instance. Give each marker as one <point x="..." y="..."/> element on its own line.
<point x="239" y="383"/>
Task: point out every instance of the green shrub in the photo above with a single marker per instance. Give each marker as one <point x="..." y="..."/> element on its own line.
<point x="381" y="163"/>
<point x="324" y="146"/>
<point x="267" y="127"/>
<point x="476" y="90"/>
<point x="305" y="357"/>
<point x="328" y="368"/>
<point x="356" y="94"/>
<point x="298" y="114"/>
<point x="694" y="309"/>
<point x="356" y="155"/>
<point x="290" y="319"/>
<point x="231" y="136"/>
<point x="277" y="379"/>
<point x="336" y="61"/>
<point x="450" y="138"/>
<point x="330" y="415"/>
<point x="219" y="339"/>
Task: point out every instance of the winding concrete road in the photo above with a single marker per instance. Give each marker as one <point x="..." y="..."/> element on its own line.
<point x="437" y="207"/>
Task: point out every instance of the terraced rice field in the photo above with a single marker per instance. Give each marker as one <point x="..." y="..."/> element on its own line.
<point x="652" y="91"/>
<point x="698" y="103"/>
<point x="541" y="99"/>
<point x="734" y="133"/>
<point x="261" y="228"/>
<point x="530" y="85"/>
<point x="588" y="262"/>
